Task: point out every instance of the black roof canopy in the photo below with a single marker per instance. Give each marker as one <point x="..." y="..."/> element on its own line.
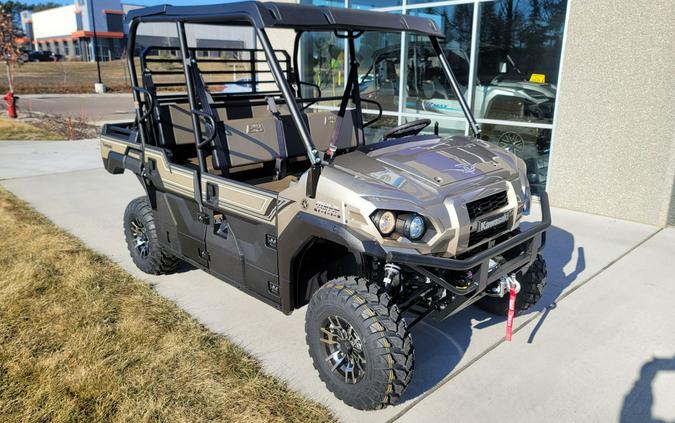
<point x="287" y="15"/>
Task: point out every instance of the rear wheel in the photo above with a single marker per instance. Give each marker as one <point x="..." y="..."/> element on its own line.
<point x="140" y="232"/>
<point x="359" y="343"/>
<point x="532" y="284"/>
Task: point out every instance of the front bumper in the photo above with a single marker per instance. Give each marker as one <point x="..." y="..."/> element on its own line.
<point x="476" y="268"/>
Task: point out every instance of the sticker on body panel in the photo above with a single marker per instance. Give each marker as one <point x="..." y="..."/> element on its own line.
<point x="389" y="178"/>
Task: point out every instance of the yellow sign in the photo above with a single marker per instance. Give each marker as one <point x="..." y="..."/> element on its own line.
<point x="539" y="78"/>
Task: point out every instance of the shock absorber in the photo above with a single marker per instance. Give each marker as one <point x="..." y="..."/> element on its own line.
<point x="391" y="276"/>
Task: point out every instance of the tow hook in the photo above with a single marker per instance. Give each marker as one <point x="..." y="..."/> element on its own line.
<point x="502" y="287"/>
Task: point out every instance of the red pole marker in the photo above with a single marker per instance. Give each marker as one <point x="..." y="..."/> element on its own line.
<point x="511" y="313"/>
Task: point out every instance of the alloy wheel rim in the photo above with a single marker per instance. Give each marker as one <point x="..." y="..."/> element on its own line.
<point x="140" y="237"/>
<point x="344" y="349"/>
<point x="511" y="141"/>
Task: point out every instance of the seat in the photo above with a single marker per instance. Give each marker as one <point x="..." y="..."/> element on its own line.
<point x="251" y="140"/>
<point x="322" y="125"/>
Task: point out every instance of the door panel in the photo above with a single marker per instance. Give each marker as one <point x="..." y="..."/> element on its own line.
<point x="180" y="228"/>
<point x="243" y="221"/>
<point x="177" y="210"/>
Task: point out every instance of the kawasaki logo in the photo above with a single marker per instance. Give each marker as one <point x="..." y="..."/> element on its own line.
<point x="488" y="224"/>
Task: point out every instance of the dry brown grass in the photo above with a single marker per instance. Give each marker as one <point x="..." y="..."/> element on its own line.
<point x="12" y="130"/>
<point x="79" y="77"/>
<point x="82" y="340"/>
<point x="66" y="77"/>
<point x="44" y="127"/>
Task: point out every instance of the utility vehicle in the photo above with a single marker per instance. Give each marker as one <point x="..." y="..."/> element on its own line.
<point x="287" y="202"/>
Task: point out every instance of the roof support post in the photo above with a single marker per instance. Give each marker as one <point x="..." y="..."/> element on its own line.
<point x="131" y="48"/>
<point x="475" y="128"/>
<point x="187" y="70"/>
<point x="296" y="114"/>
<point x="354" y="86"/>
<point x="287" y="92"/>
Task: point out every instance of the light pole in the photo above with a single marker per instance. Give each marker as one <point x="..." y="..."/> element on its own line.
<point x="99" y="87"/>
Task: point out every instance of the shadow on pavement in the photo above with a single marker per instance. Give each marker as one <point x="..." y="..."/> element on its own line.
<point x="639" y="402"/>
<point x="440" y="345"/>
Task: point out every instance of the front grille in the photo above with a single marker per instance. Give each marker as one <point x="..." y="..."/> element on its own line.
<point x="476" y="237"/>
<point x="487" y="204"/>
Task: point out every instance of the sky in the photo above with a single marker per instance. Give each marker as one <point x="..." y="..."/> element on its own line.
<point x="146" y="2"/>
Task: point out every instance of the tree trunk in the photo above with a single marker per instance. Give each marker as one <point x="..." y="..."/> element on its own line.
<point x="9" y="77"/>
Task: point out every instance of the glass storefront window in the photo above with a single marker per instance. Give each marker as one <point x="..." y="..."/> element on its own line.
<point x="440" y="126"/>
<point x="322" y="57"/>
<point x="513" y="90"/>
<point x="374" y="132"/>
<point x="530" y="144"/>
<point x="427" y="88"/>
<point x="323" y="63"/>
<point x="379" y="70"/>
<point x="373" y="4"/>
<point x="518" y="60"/>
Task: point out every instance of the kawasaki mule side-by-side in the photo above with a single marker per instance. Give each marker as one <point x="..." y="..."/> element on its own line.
<point x="271" y="191"/>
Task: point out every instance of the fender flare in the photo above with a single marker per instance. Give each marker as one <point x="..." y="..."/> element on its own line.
<point x="303" y="229"/>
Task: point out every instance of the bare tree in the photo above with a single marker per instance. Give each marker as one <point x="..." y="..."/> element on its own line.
<point x="9" y="48"/>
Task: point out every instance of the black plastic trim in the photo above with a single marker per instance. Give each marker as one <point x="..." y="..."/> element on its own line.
<point x="301" y="230"/>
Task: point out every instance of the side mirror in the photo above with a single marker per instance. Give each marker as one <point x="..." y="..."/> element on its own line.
<point x="502" y="67"/>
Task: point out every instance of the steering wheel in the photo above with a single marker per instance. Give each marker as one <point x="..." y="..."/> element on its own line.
<point x="407" y="129"/>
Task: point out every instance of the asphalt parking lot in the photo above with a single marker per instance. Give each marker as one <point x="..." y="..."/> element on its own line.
<point x="599" y="347"/>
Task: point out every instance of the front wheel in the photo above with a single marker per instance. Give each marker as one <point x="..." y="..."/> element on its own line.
<point x="359" y="343"/>
<point x="532" y="285"/>
<point x="140" y="232"/>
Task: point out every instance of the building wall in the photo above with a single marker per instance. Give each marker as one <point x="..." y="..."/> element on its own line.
<point x="671" y="176"/>
<point x="99" y="7"/>
<point x="57" y="22"/>
<point x="613" y="148"/>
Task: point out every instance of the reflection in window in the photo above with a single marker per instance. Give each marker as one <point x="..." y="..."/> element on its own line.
<point x="375" y="131"/>
<point x="530" y="144"/>
<point x="373" y="4"/>
<point x="427" y="88"/>
<point x="518" y="59"/>
<point x="379" y="72"/>
<point x="441" y="127"/>
<point x="323" y="58"/>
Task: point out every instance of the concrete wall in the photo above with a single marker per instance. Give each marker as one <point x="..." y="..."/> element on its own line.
<point x="613" y="150"/>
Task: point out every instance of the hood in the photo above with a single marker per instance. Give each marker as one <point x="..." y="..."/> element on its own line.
<point x="430" y="161"/>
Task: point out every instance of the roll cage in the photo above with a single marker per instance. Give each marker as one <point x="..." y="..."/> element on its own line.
<point x="345" y="23"/>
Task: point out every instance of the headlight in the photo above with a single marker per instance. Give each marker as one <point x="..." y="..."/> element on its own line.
<point x="410" y="225"/>
<point x="385" y="222"/>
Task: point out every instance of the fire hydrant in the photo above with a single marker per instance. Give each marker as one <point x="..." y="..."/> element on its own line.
<point x="11" y="104"/>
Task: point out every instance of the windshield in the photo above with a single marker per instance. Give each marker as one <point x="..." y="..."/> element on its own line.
<point x="426" y="88"/>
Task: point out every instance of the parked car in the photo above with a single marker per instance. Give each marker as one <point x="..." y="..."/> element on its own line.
<point x="41" y="56"/>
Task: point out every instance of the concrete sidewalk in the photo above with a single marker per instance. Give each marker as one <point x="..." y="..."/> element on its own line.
<point x="463" y="367"/>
